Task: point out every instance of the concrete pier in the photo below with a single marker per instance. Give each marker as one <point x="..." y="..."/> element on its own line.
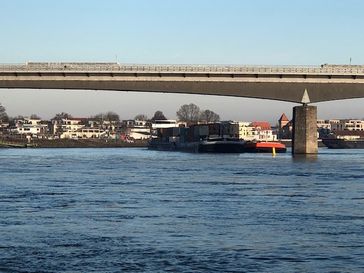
<point x="304" y="138"/>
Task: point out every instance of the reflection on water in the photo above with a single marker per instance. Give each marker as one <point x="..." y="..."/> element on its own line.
<point x="302" y="158"/>
<point x="134" y="210"/>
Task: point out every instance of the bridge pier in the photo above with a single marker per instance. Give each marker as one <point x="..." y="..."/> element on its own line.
<point x="304" y="134"/>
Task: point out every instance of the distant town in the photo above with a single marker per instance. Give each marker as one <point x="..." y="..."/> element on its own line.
<point x="109" y="127"/>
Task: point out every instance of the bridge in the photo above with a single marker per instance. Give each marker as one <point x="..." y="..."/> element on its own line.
<point x="299" y="84"/>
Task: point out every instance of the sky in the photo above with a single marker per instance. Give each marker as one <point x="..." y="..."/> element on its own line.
<point x="260" y="32"/>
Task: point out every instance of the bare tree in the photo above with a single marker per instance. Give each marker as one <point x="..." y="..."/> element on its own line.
<point x="3" y="114"/>
<point x="158" y="115"/>
<point x="209" y="116"/>
<point x="112" y="116"/>
<point x="189" y="113"/>
<point x="62" y="115"/>
<point x="109" y="116"/>
<point x="141" y="117"/>
<point x="35" y="116"/>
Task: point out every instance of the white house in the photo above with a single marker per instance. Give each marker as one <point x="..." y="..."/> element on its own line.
<point x="67" y="127"/>
<point x="262" y="131"/>
<point x="29" y="126"/>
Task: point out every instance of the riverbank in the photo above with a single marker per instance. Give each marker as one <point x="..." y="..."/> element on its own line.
<point x="70" y="143"/>
<point x="87" y="143"/>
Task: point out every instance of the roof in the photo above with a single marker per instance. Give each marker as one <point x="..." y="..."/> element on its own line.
<point x="264" y="125"/>
<point x="283" y="118"/>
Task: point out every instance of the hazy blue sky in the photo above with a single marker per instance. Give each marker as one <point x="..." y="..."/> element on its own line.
<point x="275" y="32"/>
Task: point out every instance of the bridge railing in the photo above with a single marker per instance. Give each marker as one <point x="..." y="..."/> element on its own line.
<point x="115" y="67"/>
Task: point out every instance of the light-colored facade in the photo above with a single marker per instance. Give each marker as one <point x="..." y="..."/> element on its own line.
<point x="162" y="124"/>
<point x="31" y="129"/>
<point x="72" y="124"/>
<point x="138" y="132"/>
<point x="168" y="123"/>
<point x="4" y="124"/>
<point x="136" y="129"/>
<point x="263" y="135"/>
<point x="262" y="131"/>
<point x="84" y="133"/>
<point x="29" y="126"/>
<point x="255" y="131"/>
<point x="67" y="127"/>
<point x="323" y="124"/>
<point x="347" y="124"/>
<point x="245" y="131"/>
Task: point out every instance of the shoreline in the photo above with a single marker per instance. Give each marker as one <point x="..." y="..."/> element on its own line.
<point x="87" y="143"/>
<point x="70" y="143"/>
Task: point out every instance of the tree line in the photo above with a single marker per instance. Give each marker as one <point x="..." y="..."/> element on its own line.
<point x="189" y="113"/>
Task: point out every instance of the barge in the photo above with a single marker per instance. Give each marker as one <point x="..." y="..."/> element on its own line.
<point x="206" y="139"/>
<point x="345" y="140"/>
<point x="265" y="147"/>
<point x="202" y="146"/>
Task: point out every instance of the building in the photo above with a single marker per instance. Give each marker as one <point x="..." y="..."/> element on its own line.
<point x="135" y="129"/>
<point x="323" y="128"/>
<point x="4" y="126"/>
<point x="262" y="131"/>
<point x="67" y="127"/>
<point x="32" y="127"/>
<point x="168" y="123"/>
<point x="157" y="125"/>
<point x="347" y="124"/>
<point x="138" y="133"/>
<point x="283" y="121"/>
<point x="284" y="130"/>
<point x="323" y="124"/>
<point x="85" y="132"/>
<point x="245" y="130"/>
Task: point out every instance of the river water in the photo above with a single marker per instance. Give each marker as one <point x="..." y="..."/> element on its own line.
<point x="134" y="210"/>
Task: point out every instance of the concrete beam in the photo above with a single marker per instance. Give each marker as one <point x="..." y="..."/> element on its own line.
<point x="283" y="83"/>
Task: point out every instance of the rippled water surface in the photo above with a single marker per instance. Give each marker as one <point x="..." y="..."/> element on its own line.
<point x="134" y="210"/>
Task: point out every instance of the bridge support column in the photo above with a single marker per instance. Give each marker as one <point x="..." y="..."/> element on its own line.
<point x="304" y="135"/>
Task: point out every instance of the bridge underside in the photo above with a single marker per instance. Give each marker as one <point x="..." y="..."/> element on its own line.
<point x="278" y="89"/>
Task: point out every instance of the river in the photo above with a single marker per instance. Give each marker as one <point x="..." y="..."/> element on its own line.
<point x="135" y="210"/>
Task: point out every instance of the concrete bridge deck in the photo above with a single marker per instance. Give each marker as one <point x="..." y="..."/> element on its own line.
<point x="285" y="83"/>
<point x="105" y="67"/>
